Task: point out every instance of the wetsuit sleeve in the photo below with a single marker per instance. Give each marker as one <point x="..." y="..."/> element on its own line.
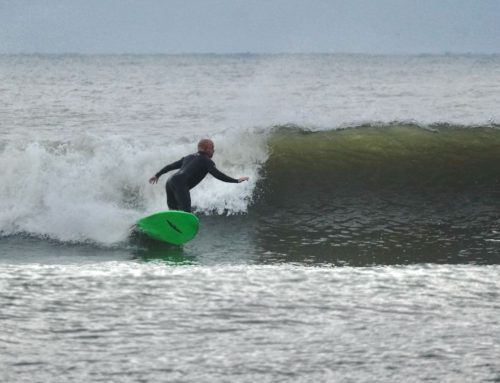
<point x="219" y="175"/>
<point x="172" y="166"/>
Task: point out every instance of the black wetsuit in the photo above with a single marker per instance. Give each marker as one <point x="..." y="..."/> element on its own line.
<point x="193" y="168"/>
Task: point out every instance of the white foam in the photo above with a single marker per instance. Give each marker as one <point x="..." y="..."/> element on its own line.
<point x="93" y="189"/>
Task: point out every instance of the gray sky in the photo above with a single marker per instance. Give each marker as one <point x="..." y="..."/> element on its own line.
<point x="256" y="26"/>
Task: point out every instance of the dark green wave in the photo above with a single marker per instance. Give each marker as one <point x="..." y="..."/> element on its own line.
<point x="380" y="194"/>
<point x="398" y="155"/>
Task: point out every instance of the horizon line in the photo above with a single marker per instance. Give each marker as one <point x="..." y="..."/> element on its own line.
<point x="248" y="53"/>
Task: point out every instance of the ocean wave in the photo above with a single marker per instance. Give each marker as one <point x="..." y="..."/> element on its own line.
<point x="92" y="189"/>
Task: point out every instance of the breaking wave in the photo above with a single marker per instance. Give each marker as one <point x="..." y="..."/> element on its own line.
<point x="93" y="189"/>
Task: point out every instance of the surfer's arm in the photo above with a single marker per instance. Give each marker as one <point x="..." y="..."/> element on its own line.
<point x="222" y="177"/>
<point x="169" y="167"/>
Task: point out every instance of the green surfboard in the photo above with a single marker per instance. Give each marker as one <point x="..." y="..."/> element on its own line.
<point x="172" y="226"/>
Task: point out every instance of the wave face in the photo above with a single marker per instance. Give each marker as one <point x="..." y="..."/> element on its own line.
<point x="402" y="157"/>
<point x="400" y="191"/>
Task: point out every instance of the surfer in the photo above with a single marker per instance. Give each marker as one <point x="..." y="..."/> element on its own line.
<point x="192" y="169"/>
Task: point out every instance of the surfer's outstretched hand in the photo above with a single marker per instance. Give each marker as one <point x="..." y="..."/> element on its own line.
<point x="153" y="180"/>
<point x="241" y="179"/>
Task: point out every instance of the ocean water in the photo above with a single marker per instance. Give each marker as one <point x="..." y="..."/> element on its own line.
<point x="365" y="246"/>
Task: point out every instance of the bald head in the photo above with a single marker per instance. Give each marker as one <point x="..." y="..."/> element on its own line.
<point x="206" y="146"/>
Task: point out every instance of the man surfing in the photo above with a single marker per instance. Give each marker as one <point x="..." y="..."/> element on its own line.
<point x="192" y="169"/>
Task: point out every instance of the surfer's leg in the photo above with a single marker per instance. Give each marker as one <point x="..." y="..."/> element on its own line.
<point x="171" y="202"/>
<point x="184" y="199"/>
<point x="178" y="197"/>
